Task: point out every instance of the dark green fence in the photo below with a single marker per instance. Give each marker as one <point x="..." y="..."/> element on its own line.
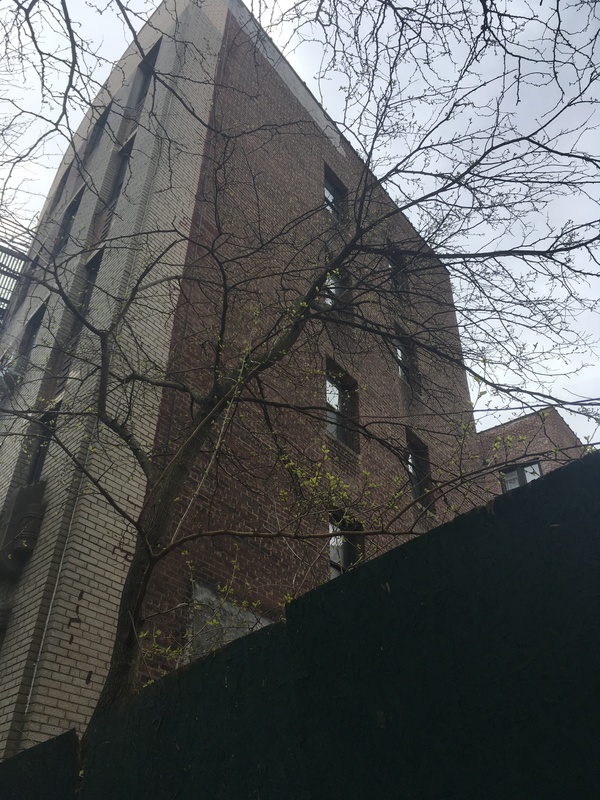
<point x="463" y="665"/>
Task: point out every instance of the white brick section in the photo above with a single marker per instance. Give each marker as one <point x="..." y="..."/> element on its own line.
<point x="64" y="606"/>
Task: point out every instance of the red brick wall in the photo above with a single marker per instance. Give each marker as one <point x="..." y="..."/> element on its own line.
<point x="262" y="236"/>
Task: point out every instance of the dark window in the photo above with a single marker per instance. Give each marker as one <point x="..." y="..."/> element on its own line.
<point x="418" y="467"/>
<point x="398" y="274"/>
<point x="40" y="447"/>
<point x="66" y="225"/>
<point x="123" y="157"/>
<point x="96" y="134"/>
<point x="334" y="193"/>
<point x="141" y="81"/>
<point x="344" y="548"/>
<point x="402" y="359"/>
<point x="520" y="476"/>
<point x="30" y="335"/>
<point x="63" y="356"/>
<point x="335" y="288"/>
<point x="91" y="270"/>
<point x="342" y="408"/>
<point x="406" y="359"/>
<point x="104" y="218"/>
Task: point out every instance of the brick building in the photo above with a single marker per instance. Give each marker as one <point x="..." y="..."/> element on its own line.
<point x="217" y="274"/>
<point x="524" y="449"/>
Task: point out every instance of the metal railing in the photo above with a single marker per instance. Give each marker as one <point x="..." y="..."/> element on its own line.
<point x="15" y="241"/>
<point x="11" y="265"/>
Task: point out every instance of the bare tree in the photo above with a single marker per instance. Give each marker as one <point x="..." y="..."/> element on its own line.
<point x="228" y="353"/>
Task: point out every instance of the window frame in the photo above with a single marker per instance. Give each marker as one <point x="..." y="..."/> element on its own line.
<point x="63" y="356"/>
<point x="398" y="273"/>
<point x="31" y="332"/>
<point x="520" y="470"/>
<point x="334" y="195"/>
<point x="123" y="164"/>
<point x="47" y="424"/>
<point x="96" y="133"/>
<point x="345" y="550"/>
<point x="418" y="467"/>
<point x="140" y="85"/>
<point x="335" y="291"/>
<point x="332" y="288"/>
<point x="406" y="359"/>
<point x="403" y="358"/>
<point x="67" y="222"/>
<point x="342" y="413"/>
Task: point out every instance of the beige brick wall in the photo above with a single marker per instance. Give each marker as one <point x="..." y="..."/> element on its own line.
<point x="55" y="653"/>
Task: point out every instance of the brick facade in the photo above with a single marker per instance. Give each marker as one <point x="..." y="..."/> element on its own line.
<point x="541" y="438"/>
<point x="266" y="571"/>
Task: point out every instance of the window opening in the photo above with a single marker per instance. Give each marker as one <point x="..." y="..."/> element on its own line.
<point x="105" y="217"/>
<point x="66" y="225"/>
<point x="13" y="365"/>
<point x="82" y="296"/>
<point x="96" y="133"/>
<point x="520" y="476"/>
<point x="398" y="275"/>
<point x="341" y="399"/>
<point x="344" y="549"/>
<point x="30" y="335"/>
<point x="124" y="157"/>
<point x="23" y="285"/>
<point x="141" y="82"/>
<point x="84" y="286"/>
<point x="403" y="361"/>
<point x="418" y="466"/>
<point x="406" y="360"/>
<point x="334" y="195"/>
<point x="334" y="288"/>
<point x="36" y="467"/>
